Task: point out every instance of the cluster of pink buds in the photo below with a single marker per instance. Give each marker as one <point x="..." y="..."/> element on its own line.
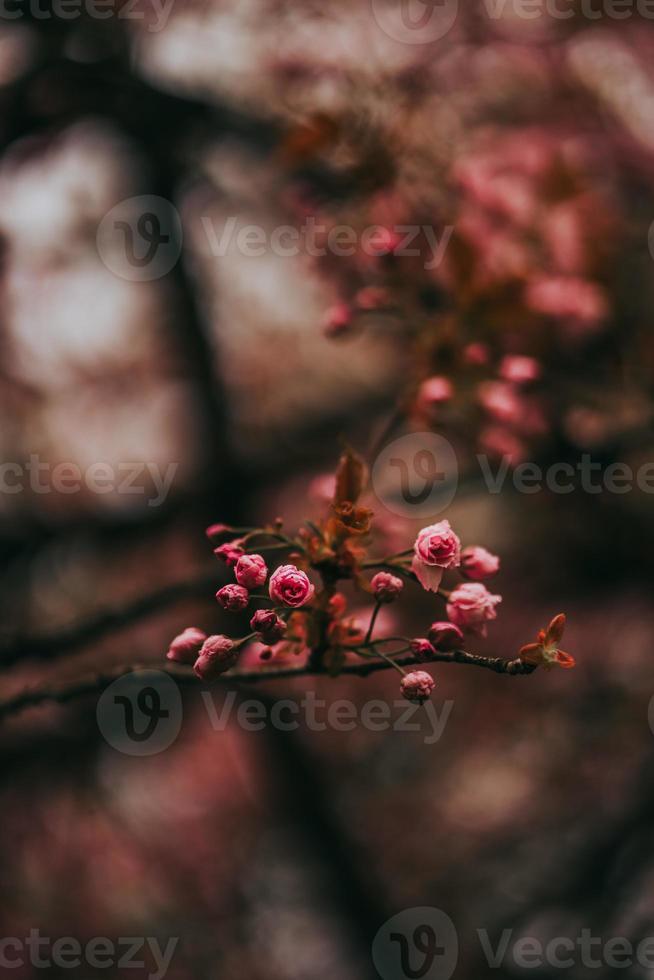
<point x="295" y="614"/>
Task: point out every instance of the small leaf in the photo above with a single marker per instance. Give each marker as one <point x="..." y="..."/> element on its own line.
<point x="351" y="478"/>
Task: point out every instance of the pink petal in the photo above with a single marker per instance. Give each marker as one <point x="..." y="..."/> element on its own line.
<point x="429" y="576"/>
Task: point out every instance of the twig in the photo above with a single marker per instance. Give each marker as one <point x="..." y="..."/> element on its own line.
<point x="97" y="684"/>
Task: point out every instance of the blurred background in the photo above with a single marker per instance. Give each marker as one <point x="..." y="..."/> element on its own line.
<point x="219" y="385"/>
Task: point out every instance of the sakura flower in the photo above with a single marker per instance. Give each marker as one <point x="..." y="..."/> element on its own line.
<point x="436" y="548"/>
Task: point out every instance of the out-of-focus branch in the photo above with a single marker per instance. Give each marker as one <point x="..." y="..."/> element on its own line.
<point x="72" y="638"/>
<point x="97" y="684"/>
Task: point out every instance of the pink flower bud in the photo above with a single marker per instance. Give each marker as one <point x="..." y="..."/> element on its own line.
<point x="422" y="649"/>
<point x="471" y="606"/>
<point x="229" y="552"/>
<point x="436" y="548"/>
<point x="477" y="563"/>
<point x="435" y="391"/>
<point x="337" y="605"/>
<point x="290" y="586"/>
<point x="185" y="647"/>
<point x="217" y="531"/>
<point x="445" y="636"/>
<point x="417" y="686"/>
<point x="372" y="297"/>
<point x="338" y="320"/>
<point x="270" y="627"/>
<point x="217" y="655"/>
<point x="251" y="571"/>
<point x="234" y="598"/>
<point x="476" y="354"/>
<point x="518" y="369"/>
<point x="386" y="587"/>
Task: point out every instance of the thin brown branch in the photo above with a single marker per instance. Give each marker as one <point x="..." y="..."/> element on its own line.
<point x="97" y="684"/>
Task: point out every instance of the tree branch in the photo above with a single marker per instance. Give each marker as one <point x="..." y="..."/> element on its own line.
<point x="95" y="685"/>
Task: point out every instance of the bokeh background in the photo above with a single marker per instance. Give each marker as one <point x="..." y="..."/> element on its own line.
<point x="279" y="855"/>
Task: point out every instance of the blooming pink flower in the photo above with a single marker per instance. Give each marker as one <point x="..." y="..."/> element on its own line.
<point x="568" y="297"/>
<point x="435" y="391"/>
<point x="290" y="586"/>
<point x="519" y="369"/>
<point x="268" y="625"/>
<point x="234" y="598"/>
<point x="471" y="606"/>
<point x="217" y="655"/>
<point x="251" y="571"/>
<point x="436" y="548"/>
<point x="185" y="647"/>
<point x="421" y="648"/>
<point x="229" y="552"/>
<point x="477" y="563"/>
<point x="444" y="636"/>
<point x="386" y="587"/>
<point x="417" y="686"/>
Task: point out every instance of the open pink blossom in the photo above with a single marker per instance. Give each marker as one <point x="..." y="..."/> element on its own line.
<point x="471" y="606"/>
<point x="417" y="686"/>
<point x="477" y="563"/>
<point x="251" y="571"/>
<point x="185" y="647"/>
<point x="290" y="586"/>
<point x="436" y="548"/>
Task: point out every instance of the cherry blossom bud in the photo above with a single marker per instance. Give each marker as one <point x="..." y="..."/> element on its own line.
<point x="337" y="605"/>
<point x="477" y="563"/>
<point x="229" y="552"/>
<point x="217" y="531"/>
<point x="435" y="391"/>
<point x="270" y="627"/>
<point x="518" y="369"/>
<point x="476" y="354"/>
<point x="338" y="320"/>
<point x="386" y="587"/>
<point x="417" y="686"/>
<point x="234" y="598"/>
<point x="445" y="636"/>
<point x="251" y="571"/>
<point x="422" y="649"/>
<point x="217" y="655"/>
<point x="290" y="586"/>
<point x="185" y="647"/>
